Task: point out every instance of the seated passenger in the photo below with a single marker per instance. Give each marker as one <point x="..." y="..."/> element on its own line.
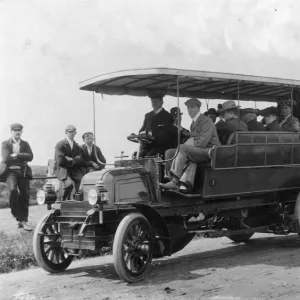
<point x="184" y="133"/>
<point x="92" y="155"/>
<point x="158" y="124"/>
<point x="196" y="149"/>
<point x="289" y="122"/>
<point x="212" y="114"/>
<point x="249" y="116"/>
<point x="232" y="123"/>
<point x="270" y="115"/>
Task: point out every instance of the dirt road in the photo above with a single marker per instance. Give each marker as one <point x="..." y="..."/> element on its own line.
<point x="268" y="267"/>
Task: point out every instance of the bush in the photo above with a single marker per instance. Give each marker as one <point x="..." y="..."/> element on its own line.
<point x="16" y="252"/>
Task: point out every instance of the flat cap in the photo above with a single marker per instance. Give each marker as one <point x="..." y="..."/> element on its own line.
<point x="70" y="128"/>
<point x="193" y="102"/>
<point x="249" y="111"/>
<point x="16" y="126"/>
<point x="86" y="133"/>
<point x="212" y="111"/>
<point x="286" y="102"/>
<point x="269" y="111"/>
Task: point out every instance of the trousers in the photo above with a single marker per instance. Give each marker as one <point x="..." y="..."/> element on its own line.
<point x="73" y="180"/>
<point x="18" y="194"/>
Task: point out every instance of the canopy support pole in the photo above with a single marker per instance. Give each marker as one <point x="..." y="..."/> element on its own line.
<point x="94" y="118"/>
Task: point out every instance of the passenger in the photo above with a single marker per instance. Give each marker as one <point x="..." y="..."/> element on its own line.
<point x="92" y="155"/>
<point x="289" y="122"/>
<point x="196" y="149"/>
<point x="158" y="124"/>
<point x="212" y="114"/>
<point x="232" y="123"/>
<point x="270" y="115"/>
<point x="69" y="162"/>
<point x="184" y="135"/>
<point x="249" y="116"/>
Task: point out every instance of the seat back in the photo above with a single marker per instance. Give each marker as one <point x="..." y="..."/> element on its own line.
<point x="258" y="149"/>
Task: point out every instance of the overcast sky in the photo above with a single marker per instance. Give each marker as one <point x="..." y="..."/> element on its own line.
<point x="48" y="46"/>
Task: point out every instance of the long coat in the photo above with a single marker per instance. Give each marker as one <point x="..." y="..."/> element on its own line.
<point x="160" y="124"/>
<point x="63" y="149"/>
<point x="21" y="160"/>
<point x="94" y="157"/>
<point x="254" y="125"/>
<point x="274" y="126"/>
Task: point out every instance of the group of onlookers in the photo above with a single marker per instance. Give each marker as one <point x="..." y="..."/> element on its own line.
<point x="72" y="162"/>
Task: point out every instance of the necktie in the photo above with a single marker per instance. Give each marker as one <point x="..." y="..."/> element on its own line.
<point x="192" y="125"/>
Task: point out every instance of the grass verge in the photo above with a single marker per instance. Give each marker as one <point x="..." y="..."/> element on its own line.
<point x="16" y="252"/>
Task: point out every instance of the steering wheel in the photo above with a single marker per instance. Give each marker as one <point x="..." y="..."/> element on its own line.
<point x="142" y="137"/>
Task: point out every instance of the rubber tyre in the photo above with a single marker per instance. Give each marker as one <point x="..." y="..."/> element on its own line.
<point x="119" y="244"/>
<point x="241" y="237"/>
<point x="40" y="255"/>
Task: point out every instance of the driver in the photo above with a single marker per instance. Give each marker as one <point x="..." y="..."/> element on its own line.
<point x="157" y="125"/>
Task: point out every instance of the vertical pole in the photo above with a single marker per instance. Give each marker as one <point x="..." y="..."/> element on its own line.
<point x="178" y="129"/>
<point x="94" y="118"/>
<point x="238" y="92"/>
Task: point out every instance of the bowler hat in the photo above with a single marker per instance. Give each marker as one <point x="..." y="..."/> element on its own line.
<point x="86" y="133"/>
<point x="245" y="111"/>
<point x="16" y="126"/>
<point x="156" y="94"/>
<point x="212" y="111"/>
<point x="230" y="104"/>
<point x="70" y="128"/>
<point x="173" y="111"/>
<point x="269" y="111"/>
<point x="193" y="102"/>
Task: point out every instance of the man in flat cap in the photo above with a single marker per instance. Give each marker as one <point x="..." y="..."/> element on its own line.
<point x="249" y="116"/>
<point x="288" y="122"/>
<point x="157" y="124"/>
<point x="232" y="123"/>
<point x="92" y="155"/>
<point x="70" y="166"/>
<point x="270" y="115"/>
<point x="15" y="155"/>
<point x="195" y="150"/>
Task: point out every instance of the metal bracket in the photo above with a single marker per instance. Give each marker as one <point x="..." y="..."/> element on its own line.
<point x="83" y="226"/>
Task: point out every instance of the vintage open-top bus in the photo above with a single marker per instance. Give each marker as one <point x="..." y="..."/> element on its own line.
<point x="250" y="185"/>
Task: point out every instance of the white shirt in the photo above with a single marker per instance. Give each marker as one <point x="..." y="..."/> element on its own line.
<point x="158" y="111"/>
<point x="285" y="119"/>
<point x="90" y="150"/>
<point x="71" y="143"/>
<point x="16" y="146"/>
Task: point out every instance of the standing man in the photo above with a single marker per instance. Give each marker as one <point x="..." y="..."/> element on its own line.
<point x="249" y="116"/>
<point x="195" y="150"/>
<point x="157" y="124"/>
<point x="15" y="155"/>
<point x="92" y="155"/>
<point x="69" y="162"/>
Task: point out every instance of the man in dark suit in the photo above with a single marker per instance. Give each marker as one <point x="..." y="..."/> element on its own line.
<point x="249" y="116"/>
<point x="195" y="150"/>
<point x="92" y="155"/>
<point x="158" y="125"/>
<point x="69" y="162"/>
<point x="270" y="115"/>
<point x="15" y="155"/>
<point x="232" y="123"/>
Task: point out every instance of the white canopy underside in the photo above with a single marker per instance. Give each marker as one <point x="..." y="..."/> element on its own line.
<point x="199" y="84"/>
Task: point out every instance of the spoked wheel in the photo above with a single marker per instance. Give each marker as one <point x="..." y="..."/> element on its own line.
<point x="47" y="247"/>
<point x="239" y="238"/>
<point x="133" y="247"/>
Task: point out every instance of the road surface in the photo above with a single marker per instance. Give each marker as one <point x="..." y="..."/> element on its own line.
<point x="268" y="267"/>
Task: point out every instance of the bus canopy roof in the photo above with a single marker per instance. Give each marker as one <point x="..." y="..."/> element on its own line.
<point x="200" y="84"/>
